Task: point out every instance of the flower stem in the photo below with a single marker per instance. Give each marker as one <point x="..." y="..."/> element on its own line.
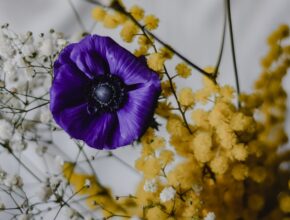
<point x="170" y="79"/>
<point x="220" y="55"/>
<point x="177" y="101"/>
<point x="78" y="17"/>
<point x="7" y="147"/>
<point x="228" y="4"/>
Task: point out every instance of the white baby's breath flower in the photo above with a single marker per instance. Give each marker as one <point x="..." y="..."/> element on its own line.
<point x="28" y="50"/>
<point x="15" y="79"/>
<point x="2" y="206"/>
<point x="61" y="43"/>
<point x="6" y="49"/>
<point x="46" y="47"/>
<point x="167" y="194"/>
<point x="18" y="145"/>
<point x="89" y="217"/>
<point x="87" y="183"/>
<point x="59" y="161"/>
<point x="72" y="214"/>
<point x="13" y="180"/>
<point x="209" y="216"/>
<point x="19" y="60"/>
<point x="14" y="103"/>
<point x="46" y="83"/>
<point x="150" y="185"/>
<point x="10" y="69"/>
<point x="41" y="150"/>
<point x="197" y="188"/>
<point x="6" y="130"/>
<point x="3" y="175"/>
<point x="54" y="182"/>
<point x="24" y="217"/>
<point x="44" y="193"/>
<point x="29" y="72"/>
<point x="45" y="116"/>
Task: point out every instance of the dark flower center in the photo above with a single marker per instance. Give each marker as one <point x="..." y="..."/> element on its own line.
<point x="103" y="93"/>
<point x="106" y="94"/>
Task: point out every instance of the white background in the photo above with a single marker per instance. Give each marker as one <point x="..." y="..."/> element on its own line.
<point x="193" y="27"/>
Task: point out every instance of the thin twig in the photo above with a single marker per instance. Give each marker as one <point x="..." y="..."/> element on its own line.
<point x="78" y="17"/>
<point x="228" y="4"/>
<point x="221" y="50"/>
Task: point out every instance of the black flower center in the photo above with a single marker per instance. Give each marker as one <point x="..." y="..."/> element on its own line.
<point x="106" y="94"/>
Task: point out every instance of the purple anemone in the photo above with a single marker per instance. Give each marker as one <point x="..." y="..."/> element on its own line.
<point x="102" y="94"/>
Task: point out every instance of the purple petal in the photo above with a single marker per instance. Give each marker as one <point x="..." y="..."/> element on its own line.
<point x="128" y="67"/>
<point x="102" y="131"/>
<point x="98" y="132"/>
<point x="115" y="59"/>
<point x="136" y="115"/>
<point x="63" y="57"/>
<point x="68" y="88"/>
<point x="89" y="56"/>
<point x="75" y="120"/>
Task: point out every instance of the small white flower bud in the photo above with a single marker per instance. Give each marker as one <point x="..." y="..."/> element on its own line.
<point x="167" y="194"/>
<point x="24" y="217"/>
<point x="6" y="130"/>
<point x="150" y="186"/>
<point x="13" y="180"/>
<point x="46" y="47"/>
<point x="45" y="116"/>
<point x="87" y="183"/>
<point x="44" y="193"/>
<point x="209" y="216"/>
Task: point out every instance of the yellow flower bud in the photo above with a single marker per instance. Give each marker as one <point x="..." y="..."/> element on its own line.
<point x="219" y="164"/>
<point x="200" y="118"/>
<point x="166" y="53"/>
<point x="240" y="172"/>
<point x="256" y="202"/>
<point x="239" y="152"/>
<point x="201" y="145"/>
<point x="129" y="31"/>
<point x="156" y="213"/>
<point x="186" y="97"/>
<point x="111" y="21"/>
<point x="137" y="12"/>
<point x="156" y="61"/>
<point x="166" y="156"/>
<point x="284" y="203"/>
<point x="183" y="70"/>
<point x="258" y="174"/>
<point x="151" y="22"/>
<point x="142" y="51"/>
<point x="166" y="88"/>
<point x="98" y="14"/>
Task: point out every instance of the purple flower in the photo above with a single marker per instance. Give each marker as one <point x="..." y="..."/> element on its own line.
<point x="102" y="94"/>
